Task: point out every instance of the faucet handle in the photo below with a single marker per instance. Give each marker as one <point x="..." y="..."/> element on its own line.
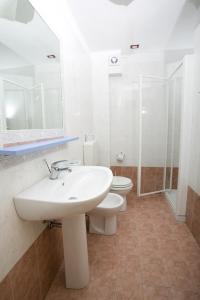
<point x="60" y="165"/>
<point x="74" y="162"/>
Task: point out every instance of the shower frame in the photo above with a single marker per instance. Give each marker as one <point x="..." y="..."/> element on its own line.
<point x="139" y="170"/>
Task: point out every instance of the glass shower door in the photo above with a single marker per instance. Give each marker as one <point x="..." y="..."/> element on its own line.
<point x="170" y="140"/>
<point x="173" y="147"/>
<point x="153" y="135"/>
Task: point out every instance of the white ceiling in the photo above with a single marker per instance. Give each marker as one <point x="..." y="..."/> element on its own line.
<point x="182" y="35"/>
<point x="106" y="25"/>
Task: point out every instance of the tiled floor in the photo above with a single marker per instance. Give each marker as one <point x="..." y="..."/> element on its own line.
<point x="150" y="258"/>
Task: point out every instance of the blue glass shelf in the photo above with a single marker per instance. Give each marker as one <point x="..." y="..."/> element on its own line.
<point x="37" y="146"/>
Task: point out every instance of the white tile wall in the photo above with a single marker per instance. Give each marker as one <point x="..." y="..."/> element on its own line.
<point x="123" y="120"/>
<point x="194" y="180"/>
<point x="101" y="105"/>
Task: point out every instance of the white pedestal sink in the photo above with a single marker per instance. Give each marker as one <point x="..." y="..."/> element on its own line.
<point x="75" y="252"/>
<point x="68" y="198"/>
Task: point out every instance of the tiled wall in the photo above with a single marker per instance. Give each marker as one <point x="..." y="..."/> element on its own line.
<point x="151" y="177"/>
<point x="193" y="213"/>
<point x="33" y="274"/>
<point x="174" y="178"/>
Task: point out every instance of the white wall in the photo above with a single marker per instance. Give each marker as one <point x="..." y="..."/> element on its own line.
<point x="101" y="106"/>
<point x="17" y="174"/>
<point x="186" y="132"/>
<point x="123" y="120"/>
<point x="194" y="178"/>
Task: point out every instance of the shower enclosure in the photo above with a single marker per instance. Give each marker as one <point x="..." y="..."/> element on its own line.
<point x="159" y="134"/>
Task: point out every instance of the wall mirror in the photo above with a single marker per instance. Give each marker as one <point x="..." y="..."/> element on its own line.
<point x="30" y="79"/>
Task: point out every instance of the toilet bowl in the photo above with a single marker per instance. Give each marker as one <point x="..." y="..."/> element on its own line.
<point x="103" y="218"/>
<point x="121" y="186"/>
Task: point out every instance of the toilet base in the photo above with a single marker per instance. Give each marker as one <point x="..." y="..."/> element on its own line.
<point x="103" y="225"/>
<point x="124" y="206"/>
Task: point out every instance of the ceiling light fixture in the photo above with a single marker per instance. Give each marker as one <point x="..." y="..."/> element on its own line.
<point x="51" y="56"/>
<point x="134" y="46"/>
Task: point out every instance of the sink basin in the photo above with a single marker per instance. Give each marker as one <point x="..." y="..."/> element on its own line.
<point x="74" y="193"/>
<point x="68" y="198"/>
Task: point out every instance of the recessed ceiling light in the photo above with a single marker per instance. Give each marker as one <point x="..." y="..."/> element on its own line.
<point x="134" y="46"/>
<point x="51" y="56"/>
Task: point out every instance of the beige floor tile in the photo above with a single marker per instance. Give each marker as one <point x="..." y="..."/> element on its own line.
<point x="150" y="258"/>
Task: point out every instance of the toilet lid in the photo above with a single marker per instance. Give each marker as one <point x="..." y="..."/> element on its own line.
<point x="119" y="181"/>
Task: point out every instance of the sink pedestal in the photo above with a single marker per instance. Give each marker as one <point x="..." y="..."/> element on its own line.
<point x="75" y="251"/>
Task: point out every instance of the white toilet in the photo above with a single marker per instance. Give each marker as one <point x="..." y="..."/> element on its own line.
<point x="103" y="218"/>
<point x="121" y="186"/>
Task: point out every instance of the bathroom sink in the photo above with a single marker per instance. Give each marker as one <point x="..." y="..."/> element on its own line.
<point x="68" y="198"/>
<point x="74" y="193"/>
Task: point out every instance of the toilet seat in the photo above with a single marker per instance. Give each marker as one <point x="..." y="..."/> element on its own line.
<point x="121" y="182"/>
<point x="121" y="186"/>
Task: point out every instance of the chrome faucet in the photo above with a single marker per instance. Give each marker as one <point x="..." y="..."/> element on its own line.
<point x="57" y="167"/>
